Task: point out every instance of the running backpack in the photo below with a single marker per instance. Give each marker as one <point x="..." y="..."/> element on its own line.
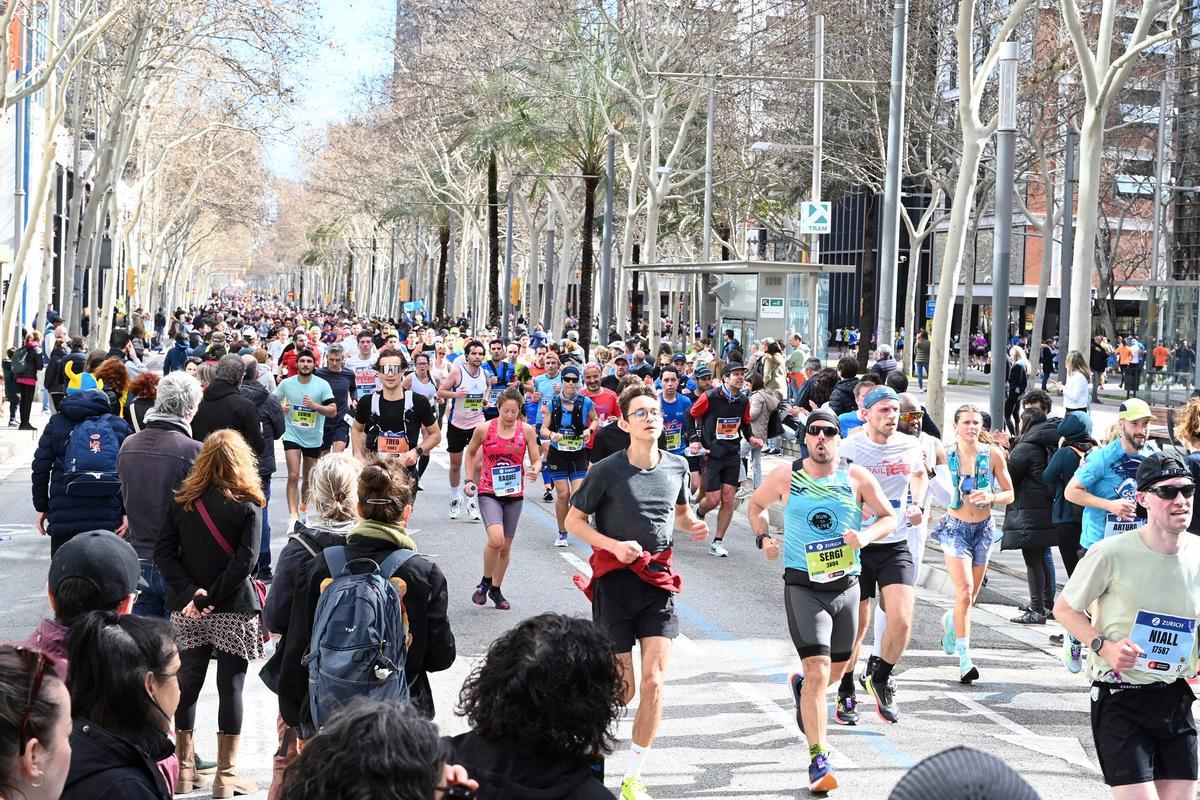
<point x="372" y="429"/>
<point x="359" y="636"/>
<point x="578" y="423"/>
<point x="90" y="460"/>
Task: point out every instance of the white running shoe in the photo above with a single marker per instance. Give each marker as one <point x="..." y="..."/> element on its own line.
<point x="717" y="548"/>
<point x="473" y="509"/>
<point x="561" y="541"/>
<point x="455" y="509"/>
<point x="1072" y="654"/>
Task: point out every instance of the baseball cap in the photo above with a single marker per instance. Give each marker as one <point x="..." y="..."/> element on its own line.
<point x="573" y="335"/>
<point x="217" y="338"/>
<point x="570" y="369"/>
<point x="679" y="357"/>
<point x="824" y="415"/>
<point x="621" y="357"/>
<point x="880" y="393"/>
<point x="103" y="559"/>
<point x="1160" y="467"/>
<point x="1134" y="409"/>
<point x="735" y="366"/>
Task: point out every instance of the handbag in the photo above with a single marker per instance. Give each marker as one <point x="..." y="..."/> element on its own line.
<point x="259" y="587"/>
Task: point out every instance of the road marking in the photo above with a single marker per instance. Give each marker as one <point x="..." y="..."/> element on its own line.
<point x="1067" y="748"/>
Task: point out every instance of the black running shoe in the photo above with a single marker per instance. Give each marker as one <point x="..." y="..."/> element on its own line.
<point x="846" y="712"/>
<point x="885" y="699"/>
<point x="862" y="676"/>
<point x="495" y="595"/>
<point x="548" y="497"/>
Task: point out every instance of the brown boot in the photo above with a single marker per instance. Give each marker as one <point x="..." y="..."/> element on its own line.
<point x="227" y="783"/>
<point x="185" y="749"/>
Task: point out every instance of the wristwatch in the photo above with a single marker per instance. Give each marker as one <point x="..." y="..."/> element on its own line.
<point x="420" y="452"/>
<point x="758" y="539"/>
<point x="1097" y="643"/>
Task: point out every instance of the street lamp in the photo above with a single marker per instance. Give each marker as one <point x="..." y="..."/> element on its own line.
<point x="1006" y="145"/>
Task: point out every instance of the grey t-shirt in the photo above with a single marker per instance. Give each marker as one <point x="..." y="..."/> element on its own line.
<point x="632" y="503"/>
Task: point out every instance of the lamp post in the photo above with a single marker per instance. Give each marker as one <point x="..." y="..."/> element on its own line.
<point x="1006" y="144"/>
<point x="889" y="245"/>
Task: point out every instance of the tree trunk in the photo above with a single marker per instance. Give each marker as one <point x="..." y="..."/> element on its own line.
<point x="635" y="294"/>
<point x="910" y="300"/>
<point x="1039" y="308"/>
<point x="493" y="204"/>
<point x="1091" y="148"/>
<point x="964" y="325"/>
<point x="443" y="256"/>
<point x="587" y="266"/>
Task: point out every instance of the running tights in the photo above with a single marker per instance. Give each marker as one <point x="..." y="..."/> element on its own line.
<point x="1040" y="578"/>
<point x="231" y="678"/>
<point x="1068" y="544"/>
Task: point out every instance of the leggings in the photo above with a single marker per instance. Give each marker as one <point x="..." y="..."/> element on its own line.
<point x="1012" y="413"/>
<point x="1068" y="544"/>
<point x="27" y="391"/>
<point x="231" y="677"/>
<point x="1040" y="578"/>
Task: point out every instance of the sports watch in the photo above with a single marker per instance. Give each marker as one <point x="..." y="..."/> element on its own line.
<point x="758" y="539"/>
<point x="1097" y="643"/>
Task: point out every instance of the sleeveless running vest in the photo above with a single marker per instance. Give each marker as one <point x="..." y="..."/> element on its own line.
<point x="467" y="412"/>
<point x="500" y="471"/>
<point x="428" y="389"/>
<point x="818" y="511"/>
<point x="983" y="467"/>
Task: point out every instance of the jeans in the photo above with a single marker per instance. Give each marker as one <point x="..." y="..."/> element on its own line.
<point x="922" y="374"/>
<point x="754" y="454"/>
<point x="264" y="552"/>
<point x="1045" y="379"/>
<point x="152" y="602"/>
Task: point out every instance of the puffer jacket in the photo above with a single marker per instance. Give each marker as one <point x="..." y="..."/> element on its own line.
<point x="842" y="401"/>
<point x="762" y="405"/>
<point x="272" y="420"/>
<point x="66" y="515"/>
<point x="1028" y="520"/>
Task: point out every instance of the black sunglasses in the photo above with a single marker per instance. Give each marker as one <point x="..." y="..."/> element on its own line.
<point x="35" y="688"/>
<point x="456" y="792"/>
<point x="822" y="430"/>
<point x="570" y="380"/>
<point x="1171" y="492"/>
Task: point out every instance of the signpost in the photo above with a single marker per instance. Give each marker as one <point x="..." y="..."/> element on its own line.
<point x="815" y="217"/>
<point x="771" y="308"/>
<point x="930" y="305"/>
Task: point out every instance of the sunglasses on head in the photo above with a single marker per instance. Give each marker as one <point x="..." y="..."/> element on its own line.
<point x="1171" y="492"/>
<point x="828" y="431"/>
<point x="43" y="662"/>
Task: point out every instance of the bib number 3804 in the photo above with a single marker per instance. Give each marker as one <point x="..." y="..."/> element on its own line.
<point x="829" y="559"/>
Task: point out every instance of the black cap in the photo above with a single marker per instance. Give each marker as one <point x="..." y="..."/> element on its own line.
<point x="824" y="414"/>
<point x="101" y="558"/>
<point x="734" y="366"/>
<point x="1160" y="467"/>
<point x="961" y="772"/>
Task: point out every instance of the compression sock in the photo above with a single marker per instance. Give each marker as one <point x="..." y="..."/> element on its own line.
<point x="456" y="492"/>
<point x="816" y="750"/>
<point x="883" y="671"/>
<point x="637" y="757"/>
<point x="962" y="646"/>
<point x="880" y="630"/>
<point x="847" y="684"/>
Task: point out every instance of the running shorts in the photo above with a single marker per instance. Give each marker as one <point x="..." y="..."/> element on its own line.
<point x="1144" y="733"/>
<point x="720" y="472"/>
<point x="629" y="609"/>
<point x="457" y="438"/>
<point x="695" y="463"/>
<point x="504" y="511"/>
<point x="336" y="430"/>
<point x="309" y="452"/>
<point x="566" y="466"/>
<point x="822" y="621"/>
<point x="885" y="564"/>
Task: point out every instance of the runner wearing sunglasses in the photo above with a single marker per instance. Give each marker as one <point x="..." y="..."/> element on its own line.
<point x="567" y="419"/>
<point x="392" y="422"/>
<point x="1144" y="588"/>
<point x="822" y="541"/>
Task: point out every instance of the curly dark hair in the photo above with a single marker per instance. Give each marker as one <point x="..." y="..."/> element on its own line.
<point x="550" y="655"/>
<point x="823" y="385"/>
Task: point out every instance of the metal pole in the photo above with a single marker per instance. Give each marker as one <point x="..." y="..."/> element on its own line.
<point x="1157" y="262"/>
<point x="1067" y="256"/>
<point x="1006" y="144"/>
<point x="890" y="240"/>
<point x="814" y="242"/>
<point x="706" y="244"/>
<point x="506" y="289"/>
<point x="548" y="285"/>
<point x="606" y="267"/>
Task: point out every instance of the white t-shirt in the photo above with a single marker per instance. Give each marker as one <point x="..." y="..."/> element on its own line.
<point x="893" y="464"/>
<point x="1075" y="391"/>
<point x="366" y="378"/>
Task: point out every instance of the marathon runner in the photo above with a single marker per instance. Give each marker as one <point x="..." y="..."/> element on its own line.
<point x="702" y="376"/>
<point x="979" y="481"/>
<point x="567" y="419"/>
<point x="500" y="376"/>
<point x="678" y="425"/>
<point x="639" y="498"/>
<point x="822" y="516"/>
<point x="546" y="385"/>
<point x="896" y="462"/>
<point x="366" y="378"/>
<point x="342" y="381"/>
<point x="394" y="423"/>
<point x="307" y="401"/>
<point x="723" y="415"/>
<point x="498" y="481"/>
<point x="605" y="400"/>
<point x="1144" y="588"/>
<point x="465" y="387"/>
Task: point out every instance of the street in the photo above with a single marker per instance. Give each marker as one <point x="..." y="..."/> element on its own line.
<point x="728" y="729"/>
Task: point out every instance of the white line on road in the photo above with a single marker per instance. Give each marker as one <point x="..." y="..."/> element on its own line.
<point x="1067" y="748"/>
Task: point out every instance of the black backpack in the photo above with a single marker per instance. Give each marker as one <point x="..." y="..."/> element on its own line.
<point x="372" y="429"/>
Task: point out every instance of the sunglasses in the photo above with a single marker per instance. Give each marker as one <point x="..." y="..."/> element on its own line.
<point x="391" y="369"/>
<point x="570" y="380"/>
<point x="35" y="688"/>
<point x="1171" y="492"/>
<point x="456" y="792"/>
<point x="827" y="431"/>
<point x="909" y="416"/>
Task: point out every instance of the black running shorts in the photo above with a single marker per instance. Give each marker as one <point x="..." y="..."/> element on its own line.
<point x="720" y="472"/>
<point x="695" y="463"/>
<point x="822" y="622"/>
<point x="309" y="452"/>
<point x="457" y="438"/>
<point x="630" y="609"/>
<point x="885" y="564"/>
<point x="1145" y="733"/>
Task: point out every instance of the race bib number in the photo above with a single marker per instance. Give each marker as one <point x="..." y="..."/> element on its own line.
<point x="391" y="444"/>
<point x="1166" y="642"/>
<point x="506" y="480"/>
<point x="364" y="382"/>
<point x="473" y="402"/>
<point x="728" y="428"/>
<point x="304" y="417"/>
<point x="829" y="559"/>
<point x="674" y="437"/>
<point x="1114" y="525"/>
<point x="569" y="442"/>
<point x="494" y="394"/>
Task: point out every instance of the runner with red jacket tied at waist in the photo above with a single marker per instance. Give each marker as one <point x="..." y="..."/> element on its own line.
<point x="642" y="492"/>
<point x="723" y="418"/>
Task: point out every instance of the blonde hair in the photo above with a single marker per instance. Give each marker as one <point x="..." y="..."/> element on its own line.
<point x="205" y="373"/>
<point x="1077" y="363"/>
<point x="333" y="488"/>
<point x="1017" y="356"/>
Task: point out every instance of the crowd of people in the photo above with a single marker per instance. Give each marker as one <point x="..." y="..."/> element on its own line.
<point x="154" y="492"/>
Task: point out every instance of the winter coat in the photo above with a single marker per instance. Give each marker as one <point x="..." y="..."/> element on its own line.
<point x="774" y="372"/>
<point x="189" y="557"/>
<point x="1018" y="380"/>
<point x="135" y="411"/>
<point x="842" y="401"/>
<point x="290" y="570"/>
<point x="223" y="407"/>
<point x="885" y="366"/>
<point x="176" y="357"/>
<point x="66" y="515"/>
<point x="271" y="421"/>
<point x="1028" y="520"/>
<point x="55" y="379"/>
<point x="505" y="772"/>
<point x="1098" y="358"/>
<point x="762" y="405"/>
<point x="105" y="766"/>
<point x="152" y="465"/>
<point x="33" y="364"/>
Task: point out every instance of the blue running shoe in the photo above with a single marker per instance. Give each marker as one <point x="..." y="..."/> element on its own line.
<point x="796" y="681"/>
<point x="948" y="633"/>
<point x="820" y="775"/>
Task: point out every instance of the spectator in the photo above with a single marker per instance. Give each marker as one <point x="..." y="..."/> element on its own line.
<point x="374" y="749"/>
<point x="114" y="378"/>
<point x="26" y="363"/>
<point x="35" y="726"/>
<point x="143" y="392"/>
<point x="763" y="403"/>
<point x="55" y="379"/>
<point x="120" y="346"/>
<point x="774" y="372"/>
<point x="206" y="552"/>
<point x="65" y="508"/>
<point x="1075" y="390"/>
<point x="270" y="416"/>
<point x="517" y="746"/>
<point x="841" y="400"/>
<point x="921" y="358"/>
<point x="1018" y="381"/>
<point x="1047" y="360"/>
<point x="1075" y="431"/>
<point x="885" y="362"/>
<point x="224" y="408"/>
<point x="153" y="464"/>
<point x="1187" y="433"/>
<point x="1028" y="521"/>
<point x="177" y="356"/>
<point x="385" y="495"/>
<point x="124" y="687"/>
<point x="1098" y="361"/>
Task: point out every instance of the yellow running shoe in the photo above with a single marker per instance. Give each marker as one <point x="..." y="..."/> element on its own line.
<point x="633" y="789"/>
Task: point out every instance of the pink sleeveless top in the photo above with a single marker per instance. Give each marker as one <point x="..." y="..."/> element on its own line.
<point x="500" y="474"/>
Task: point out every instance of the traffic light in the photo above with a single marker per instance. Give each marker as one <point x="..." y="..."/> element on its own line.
<point x="515" y="296"/>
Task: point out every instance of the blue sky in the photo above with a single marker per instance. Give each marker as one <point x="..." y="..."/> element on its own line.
<point x="355" y="47"/>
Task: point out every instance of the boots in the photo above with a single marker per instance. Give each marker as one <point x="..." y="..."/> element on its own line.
<point x="227" y="783"/>
<point x="185" y="749"/>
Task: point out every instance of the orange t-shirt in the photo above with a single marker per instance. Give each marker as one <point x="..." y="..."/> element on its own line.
<point x="1161" y="354"/>
<point x="1124" y="354"/>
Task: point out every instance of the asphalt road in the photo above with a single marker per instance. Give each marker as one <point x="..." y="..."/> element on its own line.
<point x="728" y="729"/>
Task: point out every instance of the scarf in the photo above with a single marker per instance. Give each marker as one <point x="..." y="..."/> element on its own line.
<point x="154" y="415"/>
<point x="392" y="534"/>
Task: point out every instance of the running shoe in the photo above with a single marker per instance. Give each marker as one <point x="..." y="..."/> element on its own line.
<point x="472" y="509"/>
<point x="1029" y="617"/>
<point x="743" y="492"/>
<point x="967" y="673"/>
<point x="948" y="633"/>
<point x="862" y="676"/>
<point x="480" y="595"/>
<point x="495" y="595"/>
<point x="548" y="496"/>
<point x="846" y="711"/>
<point x="1072" y="654"/>
<point x="796" y="681"/>
<point x="820" y="775"/>
<point x="885" y="699"/>
<point x="561" y="541"/>
<point x="1056" y="638"/>
<point x="632" y="788"/>
<point x="717" y="548"/>
<point x="455" y="509"/>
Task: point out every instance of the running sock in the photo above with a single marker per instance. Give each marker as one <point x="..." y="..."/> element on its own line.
<point x="816" y="750"/>
<point x="883" y="671"/>
<point x="962" y="646"/>
<point x="637" y="757"/>
<point x="880" y="630"/>
<point x="456" y="492"/>
<point x="847" y="684"/>
<point x="486" y="582"/>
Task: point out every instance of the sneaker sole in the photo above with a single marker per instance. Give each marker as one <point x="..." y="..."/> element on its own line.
<point x="826" y="783"/>
<point x="479" y="599"/>
<point x="970" y="676"/>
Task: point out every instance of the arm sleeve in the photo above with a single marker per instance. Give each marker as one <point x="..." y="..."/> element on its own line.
<point x="293" y="674"/>
<point x="1055" y="474"/>
<point x="252" y="428"/>
<point x="166" y="556"/>
<point x="244" y="557"/>
<point x="43" y="462"/>
<point x="275" y="419"/>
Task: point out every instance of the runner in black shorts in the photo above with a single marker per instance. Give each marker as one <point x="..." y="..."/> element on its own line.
<point x="307" y="452"/>
<point x="1143" y="588"/>
<point x="639" y="495"/>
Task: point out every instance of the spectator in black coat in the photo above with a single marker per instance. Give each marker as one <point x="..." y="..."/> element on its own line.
<point x="272" y="422"/>
<point x="224" y="407"/>
<point x="1098" y="363"/>
<point x="27" y="378"/>
<point x="1075" y="429"/>
<point x="55" y="379"/>
<point x="842" y="400"/>
<point x="1028" y="521"/>
<point x="1018" y="382"/>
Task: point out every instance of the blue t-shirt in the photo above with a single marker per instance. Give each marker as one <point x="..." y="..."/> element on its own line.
<point x="568" y="418"/>
<point x="304" y="426"/>
<point x="848" y="422"/>
<point x="545" y="386"/>
<point x="1109" y="472"/>
<point x="675" y="421"/>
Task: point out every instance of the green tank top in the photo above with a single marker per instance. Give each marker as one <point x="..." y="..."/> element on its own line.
<point x="818" y="512"/>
